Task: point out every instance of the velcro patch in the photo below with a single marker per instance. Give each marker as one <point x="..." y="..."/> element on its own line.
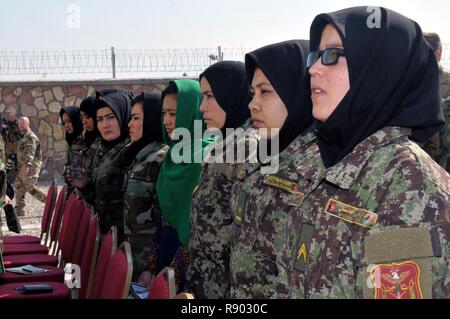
<point x="303" y="245"/>
<point x="351" y="214"/>
<point x="242" y="199"/>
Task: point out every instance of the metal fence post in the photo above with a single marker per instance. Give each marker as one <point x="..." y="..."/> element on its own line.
<point x="219" y="54"/>
<point x="113" y="62"/>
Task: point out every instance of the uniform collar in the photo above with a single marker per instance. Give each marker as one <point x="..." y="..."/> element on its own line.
<point x="153" y="146"/>
<point x="346" y="172"/>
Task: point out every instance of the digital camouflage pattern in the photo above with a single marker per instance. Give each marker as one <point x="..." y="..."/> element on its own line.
<point x="87" y="167"/>
<point x="208" y="274"/>
<point x="260" y="207"/>
<point x="74" y="161"/>
<point x="105" y="189"/>
<point x="28" y="153"/>
<point x="141" y="210"/>
<point x="384" y="207"/>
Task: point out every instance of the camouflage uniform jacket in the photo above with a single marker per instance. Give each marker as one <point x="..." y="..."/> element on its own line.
<point x="29" y="153"/>
<point x="374" y="225"/>
<point x="74" y="153"/>
<point x="87" y="165"/>
<point x="260" y="205"/>
<point x="211" y="218"/>
<point x="105" y="189"/>
<point x="141" y="203"/>
<point x="11" y="137"/>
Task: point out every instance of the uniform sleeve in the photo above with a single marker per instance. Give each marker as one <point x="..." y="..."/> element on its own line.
<point x="406" y="255"/>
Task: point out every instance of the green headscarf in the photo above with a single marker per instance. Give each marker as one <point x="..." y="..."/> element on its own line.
<point x="176" y="182"/>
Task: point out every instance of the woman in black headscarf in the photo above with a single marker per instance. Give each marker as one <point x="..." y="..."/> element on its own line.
<point x="281" y="112"/>
<point x="104" y="189"/>
<point x="144" y="156"/>
<point x="374" y="223"/>
<point x="226" y="95"/>
<point x="71" y="120"/>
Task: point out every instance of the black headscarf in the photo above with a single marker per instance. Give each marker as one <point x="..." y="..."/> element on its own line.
<point x="152" y="125"/>
<point x="73" y="112"/>
<point x="393" y="80"/>
<point x="88" y="106"/>
<point x="284" y="64"/>
<point x="119" y="101"/>
<point x="231" y="90"/>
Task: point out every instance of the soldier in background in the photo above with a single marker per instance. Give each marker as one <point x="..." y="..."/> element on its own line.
<point x="11" y="135"/>
<point x="438" y="146"/>
<point x="434" y="41"/>
<point x="29" y="161"/>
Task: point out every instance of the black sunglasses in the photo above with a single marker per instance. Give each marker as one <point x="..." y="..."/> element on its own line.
<point x="329" y="56"/>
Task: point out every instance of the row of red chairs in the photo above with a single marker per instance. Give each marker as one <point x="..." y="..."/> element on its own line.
<point x="107" y="276"/>
<point x="105" y="271"/>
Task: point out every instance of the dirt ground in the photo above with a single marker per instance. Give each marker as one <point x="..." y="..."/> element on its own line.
<point x="31" y="222"/>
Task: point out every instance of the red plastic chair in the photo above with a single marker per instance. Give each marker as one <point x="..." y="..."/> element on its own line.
<point x="31" y="259"/>
<point x="163" y="286"/>
<point x="54" y="274"/>
<point x="45" y="222"/>
<point x="60" y="291"/>
<point x="60" y="208"/>
<point x="107" y="249"/>
<point x="81" y="236"/>
<point x="21" y="249"/>
<point x="89" y="257"/>
<point x="69" y="230"/>
<point x="117" y="281"/>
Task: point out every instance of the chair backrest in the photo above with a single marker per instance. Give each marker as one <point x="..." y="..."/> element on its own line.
<point x="81" y="236"/>
<point x="48" y="209"/>
<point x="69" y="230"/>
<point x="59" y="212"/>
<point x="108" y="247"/>
<point x="117" y="281"/>
<point x="163" y="286"/>
<point x="89" y="257"/>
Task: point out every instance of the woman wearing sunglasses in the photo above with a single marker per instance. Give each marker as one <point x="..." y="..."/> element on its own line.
<point x="376" y="222"/>
<point x="260" y="201"/>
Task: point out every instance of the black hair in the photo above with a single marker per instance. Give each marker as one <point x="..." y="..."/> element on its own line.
<point x="433" y="40"/>
<point x="170" y="89"/>
<point x="138" y="99"/>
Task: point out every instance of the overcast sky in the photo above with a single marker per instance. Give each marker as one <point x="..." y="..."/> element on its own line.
<point x="153" y="24"/>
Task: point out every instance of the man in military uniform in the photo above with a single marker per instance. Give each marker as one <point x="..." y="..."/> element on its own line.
<point x="434" y="41"/>
<point x="438" y="146"/>
<point x="11" y="135"/>
<point x="29" y="165"/>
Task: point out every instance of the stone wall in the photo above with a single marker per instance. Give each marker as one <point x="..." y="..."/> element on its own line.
<point x="42" y="101"/>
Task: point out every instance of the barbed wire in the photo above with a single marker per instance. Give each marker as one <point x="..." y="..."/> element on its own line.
<point x="125" y="61"/>
<point x="110" y="61"/>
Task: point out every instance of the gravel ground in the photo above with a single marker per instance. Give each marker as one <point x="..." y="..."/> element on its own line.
<point x="31" y="222"/>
